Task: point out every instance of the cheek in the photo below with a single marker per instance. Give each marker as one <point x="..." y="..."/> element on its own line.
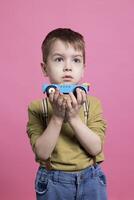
<point x="79" y="73"/>
<point x="54" y="72"/>
<point x="82" y="73"/>
<point x="51" y="69"/>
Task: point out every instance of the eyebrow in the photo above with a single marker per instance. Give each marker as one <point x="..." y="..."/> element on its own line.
<point x="58" y="54"/>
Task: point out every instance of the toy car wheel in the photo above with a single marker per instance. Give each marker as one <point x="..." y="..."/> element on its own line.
<point x="50" y="89"/>
<point x="81" y="88"/>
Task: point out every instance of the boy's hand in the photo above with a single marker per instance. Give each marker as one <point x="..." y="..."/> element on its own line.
<point x="73" y="105"/>
<point x="58" y="104"/>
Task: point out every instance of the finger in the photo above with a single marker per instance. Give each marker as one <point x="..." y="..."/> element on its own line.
<point x="79" y="96"/>
<point x="73" y="99"/>
<point x="56" y="94"/>
<point x="84" y="96"/>
<point x="64" y="104"/>
<point x="68" y="103"/>
<point x="65" y="97"/>
<point x="59" y="102"/>
<point x="60" y="99"/>
<point x="51" y="96"/>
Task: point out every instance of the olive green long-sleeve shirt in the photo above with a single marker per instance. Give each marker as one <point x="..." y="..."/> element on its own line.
<point x="68" y="154"/>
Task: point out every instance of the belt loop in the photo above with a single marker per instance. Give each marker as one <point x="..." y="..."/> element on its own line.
<point x="77" y="179"/>
<point x="93" y="170"/>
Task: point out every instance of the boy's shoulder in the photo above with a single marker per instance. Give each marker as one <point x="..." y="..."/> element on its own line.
<point x="94" y="103"/>
<point x="35" y="105"/>
<point x="93" y="99"/>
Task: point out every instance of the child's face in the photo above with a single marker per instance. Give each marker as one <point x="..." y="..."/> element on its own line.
<point x="64" y="64"/>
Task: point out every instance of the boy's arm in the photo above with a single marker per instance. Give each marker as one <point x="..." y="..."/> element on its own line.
<point x="46" y="142"/>
<point x="89" y="139"/>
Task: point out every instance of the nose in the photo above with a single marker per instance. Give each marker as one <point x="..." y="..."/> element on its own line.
<point x="67" y="67"/>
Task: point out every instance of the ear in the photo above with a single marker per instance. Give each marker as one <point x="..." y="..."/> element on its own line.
<point x="44" y="68"/>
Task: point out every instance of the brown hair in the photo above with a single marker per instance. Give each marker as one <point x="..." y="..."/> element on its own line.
<point x="67" y="36"/>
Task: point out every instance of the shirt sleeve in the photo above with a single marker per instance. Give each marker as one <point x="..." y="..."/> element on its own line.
<point x="35" y="126"/>
<point x="96" y="121"/>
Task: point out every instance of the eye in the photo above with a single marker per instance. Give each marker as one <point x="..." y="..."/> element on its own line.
<point x="58" y="59"/>
<point x="77" y="60"/>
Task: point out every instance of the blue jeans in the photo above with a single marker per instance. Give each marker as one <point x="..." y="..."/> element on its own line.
<point x="88" y="184"/>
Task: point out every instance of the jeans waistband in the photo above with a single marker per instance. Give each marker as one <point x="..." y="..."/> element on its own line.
<point x="62" y="176"/>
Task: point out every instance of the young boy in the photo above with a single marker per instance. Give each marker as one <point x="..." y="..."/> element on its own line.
<point x="67" y="131"/>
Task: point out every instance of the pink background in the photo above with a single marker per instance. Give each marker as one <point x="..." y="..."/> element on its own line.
<point x="108" y="27"/>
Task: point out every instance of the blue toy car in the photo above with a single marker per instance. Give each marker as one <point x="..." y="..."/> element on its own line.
<point x="64" y="88"/>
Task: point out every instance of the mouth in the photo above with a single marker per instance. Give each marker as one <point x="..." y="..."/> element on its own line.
<point x="67" y="77"/>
